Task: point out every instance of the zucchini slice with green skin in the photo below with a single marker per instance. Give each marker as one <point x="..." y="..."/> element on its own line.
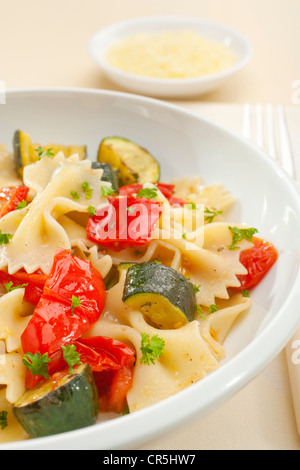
<point x="25" y="151"/>
<point x="109" y="174"/>
<point x="62" y="403"/>
<point x="161" y="293"/>
<point x="133" y="163"/>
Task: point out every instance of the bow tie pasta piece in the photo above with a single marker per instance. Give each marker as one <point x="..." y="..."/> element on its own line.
<point x="14" y="317"/>
<point x="12" y="374"/>
<point x="216" y="326"/>
<point x="39" y="233"/>
<point x="14" y="431"/>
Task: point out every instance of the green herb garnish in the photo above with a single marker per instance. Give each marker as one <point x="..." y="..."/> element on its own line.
<point x="148" y="193"/>
<point x="92" y="211"/>
<point x="211" y="215"/>
<point x="41" y="152"/>
<point x="75" y="195"/>
<point x="131" y="209"/>
<point x="37" y="364"/>
<point x="241" y="234"/>
<point x="4" y="238"/>
<point x="75" y="303"/>
<point x="151" y="349"/>
<point x="245" y="293"/>
<point x="212" y="308"/>
<point x="10" y="286"/>
<point x="106" y="191"/>
<point x="71" y="356"/>
<point x="191" y="206"/>
<point x="21" y="205"/>
<point x="86" y="188"/>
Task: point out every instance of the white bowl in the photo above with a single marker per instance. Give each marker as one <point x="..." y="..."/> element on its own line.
<point x="168" y="88"/>
<point x="184" y="143"/>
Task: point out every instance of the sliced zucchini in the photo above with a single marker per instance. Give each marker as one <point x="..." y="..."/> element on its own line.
<point x="112" y="278"/>
<point x="160" y="293"/>
<point x="65" y="402"/>
<point x="25" y="152"/>
<point x="125" y="265"/>
<point x="109" y="174"/>
<point x="134" y="163"/>
<point x="68" y="150"/>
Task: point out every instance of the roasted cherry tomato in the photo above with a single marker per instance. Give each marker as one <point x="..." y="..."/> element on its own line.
<point x="73" y="299"/>
<point x="125" y="222"/>
<point x="111" y="362"/>
<point x="257" y="260"/>
<point x="33" y="283"/>
<point x="10" y="198"/>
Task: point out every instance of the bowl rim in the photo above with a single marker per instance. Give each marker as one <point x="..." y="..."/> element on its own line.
<point x="180" y="407"/>
<point x="115" y="27"/>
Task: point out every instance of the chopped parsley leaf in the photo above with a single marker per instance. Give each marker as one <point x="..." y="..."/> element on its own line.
<point x="211" y="215"/>
<point x="4" y="238"/>
<point x="245" y="293"/>
<point x="71" y="356"/>
<point x="75" y="195"/>
<point x="86" y="188"/>
<point x="241" y="234"/>
<point x="92" y="211"/>
<point x="75" y="303"/>
<point x="148" y="193"/>
<point x="10" y="286"/>
<point x="41" y="152"/>
<point x="37" y="364"/>
<point x="151" y="349"/>
<point x="21" y="205"/>
<point x="106" y="191"/>
<point x="191" y="206"/>
<point x="212" y="308"/>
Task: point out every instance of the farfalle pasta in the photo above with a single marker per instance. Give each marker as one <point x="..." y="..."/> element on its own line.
<point x="129" y="291"/>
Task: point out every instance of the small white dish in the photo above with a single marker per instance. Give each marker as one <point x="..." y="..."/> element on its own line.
<point x="185" y="144"/>
<point x="101" y="42"/>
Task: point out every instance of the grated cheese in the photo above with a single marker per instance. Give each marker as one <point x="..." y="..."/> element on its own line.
<point x="182" y="54"/>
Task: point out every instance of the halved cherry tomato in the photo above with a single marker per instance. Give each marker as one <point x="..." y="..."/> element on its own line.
<point x="55" y="321"/>
<point x="257" y="260"/>
<point x="35" y="283"/>
<point x="10" y="197"/>
<point x="111" y="362"/>
<point x="125" y="222"/>
<point x="112" y="369"/>
<point x="113" y="387"/>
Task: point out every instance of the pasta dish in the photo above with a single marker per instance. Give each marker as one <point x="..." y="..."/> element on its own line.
<point x="118" y="290"/>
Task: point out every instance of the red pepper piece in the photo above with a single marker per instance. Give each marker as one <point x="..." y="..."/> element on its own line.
<point x="35" y="283"/>
<point x="125" y="222"/>
<point x="257" y="260"/>
<point x="111" y="362"/>
<point x="10" y="197"/>
<point x="54" y="323"/>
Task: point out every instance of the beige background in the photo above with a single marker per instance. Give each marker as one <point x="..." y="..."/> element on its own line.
<point x="44" y="43"/>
